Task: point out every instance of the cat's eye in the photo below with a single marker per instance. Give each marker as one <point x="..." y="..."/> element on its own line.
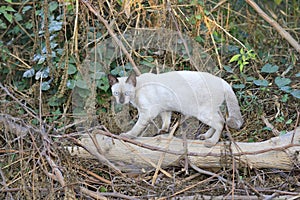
<point x="116" y="93"/>
<point x="127" y="93"/>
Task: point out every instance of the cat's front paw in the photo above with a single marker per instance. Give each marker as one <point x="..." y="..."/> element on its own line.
<point x="210" y="143"/>
<point x="201" y="137"/>
<point x="128" y="135"/>
<point x="162" y="131"/>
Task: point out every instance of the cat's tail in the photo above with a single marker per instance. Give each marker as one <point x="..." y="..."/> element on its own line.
<point x="235" y="119"/>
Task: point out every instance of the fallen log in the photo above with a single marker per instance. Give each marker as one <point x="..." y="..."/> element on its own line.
<point x="280" y="152"/>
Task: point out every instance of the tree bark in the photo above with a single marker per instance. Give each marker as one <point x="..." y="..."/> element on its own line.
<point x="280" y="152"/>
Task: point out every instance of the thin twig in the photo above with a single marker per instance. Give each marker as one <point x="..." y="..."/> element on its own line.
<point x="202" y="171"/>
<point x="101" y="196"/>
<point x="296" y="124"/>
<point x="187" y="188"/>
<point x="113" y="35"/>
<point x="3" y="183"/>
<point x="28" y="110"/>
<point x="171" y="11"/>
<point x="100" y="178"/>
<point x="75" y="31"/>
<point x="269" y="125"/>
<point x="273" y="23"/>
<point x="164" y="154"/>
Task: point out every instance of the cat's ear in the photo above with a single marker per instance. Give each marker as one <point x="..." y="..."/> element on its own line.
<point x="112" y="79"/>
<point x="131" y="79"/>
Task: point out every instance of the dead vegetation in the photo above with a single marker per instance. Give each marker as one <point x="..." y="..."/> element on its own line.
<point x="37" y="125"/>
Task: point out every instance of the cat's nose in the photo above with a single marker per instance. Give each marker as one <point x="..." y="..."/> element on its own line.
<point x="122" y="99"/>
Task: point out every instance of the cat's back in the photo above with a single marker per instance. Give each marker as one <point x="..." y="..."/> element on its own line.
<point x="178" y="77"/>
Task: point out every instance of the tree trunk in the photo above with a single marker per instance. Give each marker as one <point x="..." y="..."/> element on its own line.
<point x="280" y="152"/>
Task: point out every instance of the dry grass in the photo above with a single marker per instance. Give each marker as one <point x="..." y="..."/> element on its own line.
<point x="33" y="163"/>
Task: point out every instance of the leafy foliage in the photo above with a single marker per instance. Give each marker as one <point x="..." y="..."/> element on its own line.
<point x="43" y="45"/>
<point x="243" y="58"/>
<point x="49" y="41"/>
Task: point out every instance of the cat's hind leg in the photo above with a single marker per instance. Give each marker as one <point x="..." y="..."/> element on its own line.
<point x="214" y="138"/>
<point x="166" y="121"/>
<point x="216" y="123"/>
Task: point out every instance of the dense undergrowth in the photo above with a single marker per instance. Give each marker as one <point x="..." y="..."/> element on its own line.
<point x="43" y="48"/>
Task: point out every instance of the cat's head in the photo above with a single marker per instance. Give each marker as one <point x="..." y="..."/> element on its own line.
<point x="123" y="89"/>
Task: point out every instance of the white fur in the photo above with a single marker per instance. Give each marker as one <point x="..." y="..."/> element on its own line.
<point x="196" y="94"/>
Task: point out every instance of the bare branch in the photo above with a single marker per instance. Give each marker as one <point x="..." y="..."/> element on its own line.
<point x="273" y="23"/>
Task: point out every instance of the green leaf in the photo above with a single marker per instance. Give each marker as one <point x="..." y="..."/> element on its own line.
<point x="250" y="78"/>
<point x="26" y="8"/>
<point x="83" y="93"/>
<point x="206" y="12"/>
<point x="28" y="25"/>
<point x="241" y="67"/>
<point x="103" y="84"/>
<point x="282" y="132"/>
<point x="266" y="128"/>
<point x="119" y="70"/>
<point x="55" y="101"/>
<point x="238" y="86"/>
<point x="29" y="73"/>
<point x="41" y="60"/>
<point x="82" y="84"/>
<point x="263" y="82"/>
<point x="95" y="67"/>
<point x="18" y="17"/>
<point x="2" y="25"/>
<point x="72" y="69"/>
<point x="148" y="59"/>
<point x="284" y="98"/>
<point x="235" y="58"/>
<point x="280" y="119"/>
<point x="286" y="89"/>
<point x="10" y="9"/>
<point x="228" y="69"/>
<point x="55" y="26"/>
<point x="289" y="121"/>
<point x="268" y="68"/>
<point x="278" y="2"/>
<point x="8" y="17"/>
<point x="280" y="82"/>
<point x="103" y="189"/>
<point x="242" y="52"/>
<point x="296" y="93"/>
<point x="42" y="73"/>
<point x="34" y="122"/>
<point x="57" y="113"/>
<point x="53" y="6"/>
<point x="198" y="17"/>
<point x="146" y="63"/>
<point x="97" y="75"/>
<point x="45" y="86"/>
<point x="2" y="9"/>
<point x="71" y="84"/>
<point x="199" y="39"/>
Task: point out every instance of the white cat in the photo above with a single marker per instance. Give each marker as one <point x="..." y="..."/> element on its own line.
<point x="197" y="94"/>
